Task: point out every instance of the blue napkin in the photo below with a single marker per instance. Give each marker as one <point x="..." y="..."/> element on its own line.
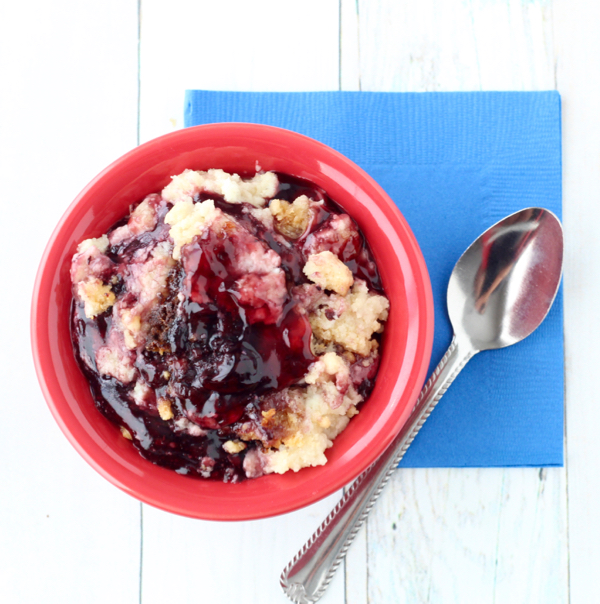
<point x="454" y="163"/>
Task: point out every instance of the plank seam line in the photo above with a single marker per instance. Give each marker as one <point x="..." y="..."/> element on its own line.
<point x="139" y="94"/>
<point x="139" y="69"/>
<point x="566" y="456"/>
<point x="141" y="551"/>
<point x="340" y="59"/>
<point x="358" y="45"/>
<point x="500" y="509"/>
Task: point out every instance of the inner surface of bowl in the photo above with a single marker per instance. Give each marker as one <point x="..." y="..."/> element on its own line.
<point x="235" y="148"/>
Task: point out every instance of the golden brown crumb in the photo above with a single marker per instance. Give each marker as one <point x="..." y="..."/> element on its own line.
<point x="318" y="347"/>
<point x="126" y="433"/>
<point x="234" y="446"/>
<point x="325" y="422"/>
<point x="349" y="356"/>
<point x="132" y="325"/>
<point x="291" y="219"/>
<point x="164" y="409"/>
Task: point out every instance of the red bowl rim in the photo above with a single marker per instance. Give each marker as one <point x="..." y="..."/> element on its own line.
<point x="107" y="466"/>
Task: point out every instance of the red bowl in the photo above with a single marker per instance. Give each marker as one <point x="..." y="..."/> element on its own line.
<point x="235" y="147"/>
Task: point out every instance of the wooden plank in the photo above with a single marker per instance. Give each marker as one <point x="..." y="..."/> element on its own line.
<point x="232" y="45"/>
<point x="442" y="46"/>
<point x="470" y="535"/>
<point x="578" y="57"/>
<point x="464" y="535"/>
<point x="356" y="569"/>
<point x="349" y="45"/>
<point x="191" y="561"/>
<point x="69" y="108"/>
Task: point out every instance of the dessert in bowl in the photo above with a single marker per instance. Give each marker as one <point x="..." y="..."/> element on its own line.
<point x="237" y="149"/>
<point x="230" y="327"/>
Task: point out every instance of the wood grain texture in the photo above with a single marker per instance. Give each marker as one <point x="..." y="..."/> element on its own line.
<point x="464" y="45"/>
<point x="470" y="535"/>
<point x="232" y="45"/>
<point x="355" y="569"/>
<point x="349" y="45"/>
<point x="190" y="561"/>
<point x="69" y="108"/>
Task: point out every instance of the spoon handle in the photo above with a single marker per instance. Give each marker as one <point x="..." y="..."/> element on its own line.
<point x="306" y="577"/>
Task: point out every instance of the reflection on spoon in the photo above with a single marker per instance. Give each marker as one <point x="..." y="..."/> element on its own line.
<point x="502" y="246"/>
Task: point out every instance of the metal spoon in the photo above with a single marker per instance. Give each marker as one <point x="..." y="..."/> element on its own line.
<point x="499" y="292"/>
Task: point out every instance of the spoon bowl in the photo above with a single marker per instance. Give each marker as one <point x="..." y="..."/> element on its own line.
<point x="504" y="284"/>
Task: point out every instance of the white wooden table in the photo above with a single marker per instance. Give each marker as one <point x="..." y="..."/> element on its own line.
<point x="82" y="82"/>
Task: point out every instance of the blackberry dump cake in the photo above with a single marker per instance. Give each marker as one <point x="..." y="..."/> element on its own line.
<point x="230" y="327"/>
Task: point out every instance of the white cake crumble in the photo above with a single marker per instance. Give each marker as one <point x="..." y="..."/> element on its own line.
<point x="234" y="189"/>
<point x="188" y="220"/>
<point x="87" y="267"/>
<point x="329" y="272"/>
<point x="351" y="321"/>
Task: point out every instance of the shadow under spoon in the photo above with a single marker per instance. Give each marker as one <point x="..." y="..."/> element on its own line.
<point x="499" y="292"/>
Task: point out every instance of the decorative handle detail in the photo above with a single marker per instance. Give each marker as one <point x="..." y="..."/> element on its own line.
<point x="307" y="576"/>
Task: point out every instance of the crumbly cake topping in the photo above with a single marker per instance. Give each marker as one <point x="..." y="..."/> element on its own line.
<point x="232" y="187"/>
<point x="291" y="219"/>
<point x="329" y="272"/>
<point x="188" y="220"/>
<point x="228" y="335"/>
<point x="351" y="321"/>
